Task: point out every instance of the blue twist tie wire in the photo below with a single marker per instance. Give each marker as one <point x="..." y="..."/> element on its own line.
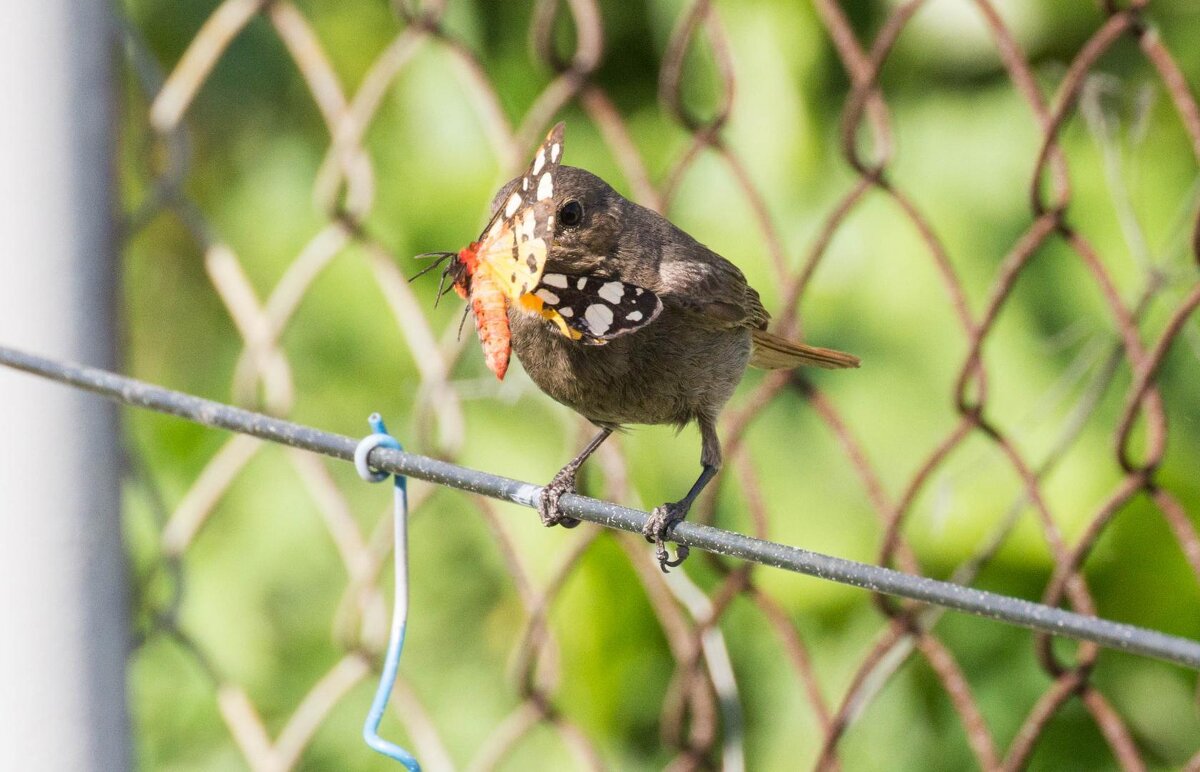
<point x="391" y="663"/>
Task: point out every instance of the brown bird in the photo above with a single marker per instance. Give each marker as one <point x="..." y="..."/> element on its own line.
<point x="629" y="321"/>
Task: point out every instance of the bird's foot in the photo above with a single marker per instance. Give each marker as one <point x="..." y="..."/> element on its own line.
<point x="548" y="506"/>
<point x="658" y="529"/>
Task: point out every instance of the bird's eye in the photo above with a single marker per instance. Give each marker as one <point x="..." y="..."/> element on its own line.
<point x="571" y="213"/>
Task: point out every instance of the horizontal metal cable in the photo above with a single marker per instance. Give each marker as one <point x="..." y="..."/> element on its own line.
<point x="1116" y="635"/>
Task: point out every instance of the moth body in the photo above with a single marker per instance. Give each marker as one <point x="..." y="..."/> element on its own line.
<point x="491" y="321"/>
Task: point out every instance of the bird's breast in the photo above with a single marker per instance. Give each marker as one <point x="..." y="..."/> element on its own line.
<point x="669" y="372"/>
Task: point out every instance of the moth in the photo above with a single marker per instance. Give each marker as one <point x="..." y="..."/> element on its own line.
<point x="594" y="308"/>
<point x="504" y="268"/>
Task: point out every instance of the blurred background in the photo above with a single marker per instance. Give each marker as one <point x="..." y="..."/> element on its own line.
<point x="278" y="165"/>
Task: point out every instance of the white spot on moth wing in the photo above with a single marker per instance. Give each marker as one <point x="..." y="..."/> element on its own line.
<point x="555" y="149"/>
<point x="640" y="291"/>
<point x="527" y="226"/>
<point x="548" y="296"/>
<point x="634" y="316"/>
<point x="514" y="203"/>
<point x="612" y="291"/>
<point x="581" y="283"/>
<point x="599" y="318"/>
<point x="567" y="311"/>
<point x="539" y="160"/>
<point x="545" y="187"/>
<point x="524" y="183"/>
<point x="555" y="280"/>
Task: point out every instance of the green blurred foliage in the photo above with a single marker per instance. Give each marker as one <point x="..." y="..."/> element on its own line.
<point x="263" y="580"/>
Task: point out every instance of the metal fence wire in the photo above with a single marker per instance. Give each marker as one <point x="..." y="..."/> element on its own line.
<point x="701" y="720"/>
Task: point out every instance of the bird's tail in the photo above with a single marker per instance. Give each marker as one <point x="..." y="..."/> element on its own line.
<point x="771" y="352"/>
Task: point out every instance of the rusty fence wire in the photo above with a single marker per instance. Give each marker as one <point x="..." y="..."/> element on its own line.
<point x="701" y="719"/>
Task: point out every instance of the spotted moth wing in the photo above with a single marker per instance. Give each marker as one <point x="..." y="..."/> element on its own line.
<point x="598" y="309"/>
<point x="514" y="245"/>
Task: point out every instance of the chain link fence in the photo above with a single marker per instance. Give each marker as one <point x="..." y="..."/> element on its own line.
<point x="714" y="614"/>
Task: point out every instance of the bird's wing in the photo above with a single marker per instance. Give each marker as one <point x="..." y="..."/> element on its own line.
<point x="713" y="289"/>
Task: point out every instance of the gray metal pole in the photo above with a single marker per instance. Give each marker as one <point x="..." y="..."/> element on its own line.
<point x="63" y="615"/>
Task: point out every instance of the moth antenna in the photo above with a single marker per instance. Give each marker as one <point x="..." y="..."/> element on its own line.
<point x="441" y="258"/>
<point x="422" y="272"/>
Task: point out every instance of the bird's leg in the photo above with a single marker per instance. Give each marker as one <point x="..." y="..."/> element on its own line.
<point x="563" y="483"/>
<point x="664" y="518"/>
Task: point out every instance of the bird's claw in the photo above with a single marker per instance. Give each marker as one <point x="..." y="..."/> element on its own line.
<point x="548" y="506"/>
<point x="658" y="529"/>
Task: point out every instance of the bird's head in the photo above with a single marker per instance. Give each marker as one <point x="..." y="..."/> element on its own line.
<point x="587" y="219"/>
